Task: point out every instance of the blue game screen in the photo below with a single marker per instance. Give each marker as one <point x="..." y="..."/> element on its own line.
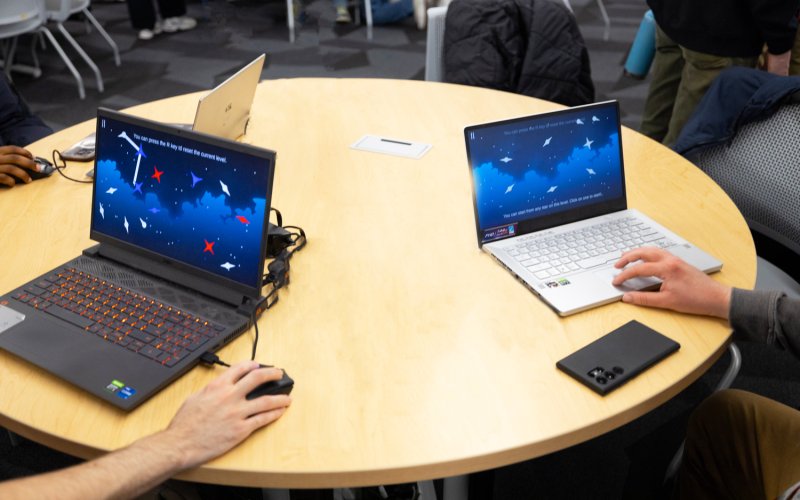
<point x="543" y="165"/>
<point x="195" y="202"/>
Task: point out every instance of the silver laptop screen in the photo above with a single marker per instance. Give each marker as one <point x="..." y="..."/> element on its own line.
<point x="545" y="170"/>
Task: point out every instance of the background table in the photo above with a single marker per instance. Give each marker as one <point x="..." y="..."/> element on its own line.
<point x="416" y="356"/>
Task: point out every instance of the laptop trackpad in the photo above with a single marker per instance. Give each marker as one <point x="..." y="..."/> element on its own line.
<point x="608" y="274"/>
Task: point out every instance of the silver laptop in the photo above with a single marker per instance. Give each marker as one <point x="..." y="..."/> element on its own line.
<point x="550" y="205"/>
<point x="225" y="111"/>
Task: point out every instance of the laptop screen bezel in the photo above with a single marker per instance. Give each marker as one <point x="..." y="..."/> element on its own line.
<point x="527" y="226"/>
<point x="182" y="133"/>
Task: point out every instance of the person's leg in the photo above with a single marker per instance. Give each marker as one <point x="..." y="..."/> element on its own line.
<point x="794" y="64"/>
<point x="142" y="14"/>
<point x="699" y="72"/>
<point x="667" y="69"/>
<point x="740" y="445"/>
<point x="342" y="14"/>
<point x="387" y="12"/>
<point x="171" y="8"/>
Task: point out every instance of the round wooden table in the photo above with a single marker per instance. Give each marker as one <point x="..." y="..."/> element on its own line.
<point x="416" y="356"/>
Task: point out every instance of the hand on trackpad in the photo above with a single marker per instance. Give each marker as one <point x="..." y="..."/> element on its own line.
<point x="630" y="285"/>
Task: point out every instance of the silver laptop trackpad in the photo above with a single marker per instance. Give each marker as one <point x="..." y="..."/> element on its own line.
<point x="608" y="274"/>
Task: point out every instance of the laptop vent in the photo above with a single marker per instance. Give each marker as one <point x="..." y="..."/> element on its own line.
<point x="183" y="299"/>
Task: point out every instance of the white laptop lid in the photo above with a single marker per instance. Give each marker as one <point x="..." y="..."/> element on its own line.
<point x="225" y="111"/>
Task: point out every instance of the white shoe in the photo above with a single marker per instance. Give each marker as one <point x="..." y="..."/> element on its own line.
<point x="183" y="23"/>
<point x="146" y="34"/>
<point x="420" y="13"/>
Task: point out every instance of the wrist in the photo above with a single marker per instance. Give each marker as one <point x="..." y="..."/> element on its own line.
<point x="722" y="302"/>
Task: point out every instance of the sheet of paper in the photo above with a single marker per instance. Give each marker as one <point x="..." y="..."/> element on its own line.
<point x="391" y="146"/>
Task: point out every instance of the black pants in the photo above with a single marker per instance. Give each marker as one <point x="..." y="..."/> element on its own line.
<point x="143" y="13"/>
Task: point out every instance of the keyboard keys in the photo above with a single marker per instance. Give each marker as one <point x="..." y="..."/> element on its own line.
<point x="131" y="320"/>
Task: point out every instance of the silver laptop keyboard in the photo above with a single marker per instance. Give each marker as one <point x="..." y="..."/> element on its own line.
<point x="585" y="248"/>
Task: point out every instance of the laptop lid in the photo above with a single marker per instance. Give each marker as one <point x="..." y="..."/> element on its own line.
<point x="545" y="170"/>
<point x="225" y="110"/>
<point x="187" y="201"/>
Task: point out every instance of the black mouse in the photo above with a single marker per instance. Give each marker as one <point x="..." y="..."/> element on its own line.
<point x="46" y="169"/>
<point x="274" y="387"/>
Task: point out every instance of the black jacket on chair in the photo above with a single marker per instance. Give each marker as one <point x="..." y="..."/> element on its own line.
<point x="530" y="47"/>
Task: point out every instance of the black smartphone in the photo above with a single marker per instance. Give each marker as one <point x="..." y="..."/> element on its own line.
<point x="617" y="357"/>
<point x="82" y="150"/>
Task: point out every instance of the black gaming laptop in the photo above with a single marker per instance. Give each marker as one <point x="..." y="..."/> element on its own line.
<point x="180" y="220"/>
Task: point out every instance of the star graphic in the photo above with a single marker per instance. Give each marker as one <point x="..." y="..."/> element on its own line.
<point x="138" y="187"/>
<point x="209" y="247"/>
<point x="157" y="174"/>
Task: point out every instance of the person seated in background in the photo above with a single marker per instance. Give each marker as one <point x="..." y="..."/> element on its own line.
<point x="207" y="425"/>
<point x="18" y="127"/>
<point x="383" y="11"/>
<point x="738" y="444"/>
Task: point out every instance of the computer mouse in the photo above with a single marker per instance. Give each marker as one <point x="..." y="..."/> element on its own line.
<point x="46" y="169"/>
<point x="274" y="387"/>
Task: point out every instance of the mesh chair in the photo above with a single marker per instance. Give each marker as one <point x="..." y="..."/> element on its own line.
<point x="760" y="171"/>
<point x="434" y="48"/>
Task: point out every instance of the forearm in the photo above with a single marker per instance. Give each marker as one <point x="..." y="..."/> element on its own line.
<point x="122" y="474"/>
<point x="766" y="317"/>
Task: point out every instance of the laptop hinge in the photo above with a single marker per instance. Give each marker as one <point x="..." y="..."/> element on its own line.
<point x="169" y="273"/>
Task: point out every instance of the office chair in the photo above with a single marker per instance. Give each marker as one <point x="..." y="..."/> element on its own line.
<point x="434" y="47"/>
<point x="28" y="16"/>
<point x="58" y="11"/>
<point x="760" y="170"/>
<point x="603" y="14"/>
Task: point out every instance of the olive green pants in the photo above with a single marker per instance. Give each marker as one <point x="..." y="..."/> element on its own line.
<point x="680" y="79"/>
<point x="740" y="445"/>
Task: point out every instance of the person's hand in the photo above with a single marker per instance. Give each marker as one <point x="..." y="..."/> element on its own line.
<point x="778" y="64"/>
<point x="14" y="163"/>
<point x="219" y="417"/>
<point x="684" y="288"/>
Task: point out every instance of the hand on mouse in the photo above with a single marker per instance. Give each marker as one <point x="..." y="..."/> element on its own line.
<point x="219" y="417"/>
<point x="684" y="288"/>
<point x="14" y="164"/>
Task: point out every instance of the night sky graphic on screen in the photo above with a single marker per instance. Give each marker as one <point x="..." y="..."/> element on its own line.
<point x="544" y="165"/>
<point x="200" y="204"/>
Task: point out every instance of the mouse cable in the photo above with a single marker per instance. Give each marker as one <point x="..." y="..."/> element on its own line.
<point x="255" y="341"/>
<point x="60" y="169"/>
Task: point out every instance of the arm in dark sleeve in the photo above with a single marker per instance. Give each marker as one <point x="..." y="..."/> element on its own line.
<point x="18" y="127"/>
<point x="776" y="20"/>
<point x="768" y="317"/>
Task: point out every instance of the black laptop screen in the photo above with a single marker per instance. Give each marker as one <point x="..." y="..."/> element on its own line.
<point x="545" y="170"/>
<point x="196" y="200"/>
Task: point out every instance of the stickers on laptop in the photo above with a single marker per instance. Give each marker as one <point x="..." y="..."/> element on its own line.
<point x="120" y="389"/>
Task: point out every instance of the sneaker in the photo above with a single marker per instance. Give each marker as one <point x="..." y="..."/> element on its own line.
<point x="183" y="23"/>
<point x="147" y="34"/>
<point x="343" y="16"/>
